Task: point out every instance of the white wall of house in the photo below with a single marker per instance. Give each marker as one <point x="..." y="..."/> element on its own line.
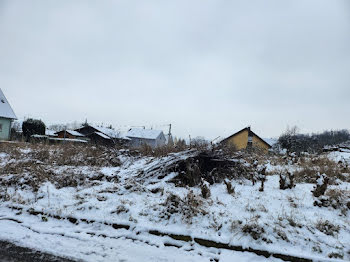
<point x="159" y="141"/>
<point x="5" y="128"/>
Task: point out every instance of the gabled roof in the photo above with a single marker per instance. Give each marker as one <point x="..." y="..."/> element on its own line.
<point x="102" y="135"/>
<point x="72" y="132"/>
<point x="107" y="131"/>
<point x="5" y="108"/>
<point x="144" y="133"/>
<point x="249" y="130"/>
<point x="111" y="133"/>
<point x="50" y="132"/>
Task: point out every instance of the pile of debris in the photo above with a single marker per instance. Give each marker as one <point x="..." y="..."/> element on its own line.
<point x="192" y="167"/>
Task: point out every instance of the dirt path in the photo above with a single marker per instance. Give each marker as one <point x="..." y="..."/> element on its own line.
<point x="12" y="253"/>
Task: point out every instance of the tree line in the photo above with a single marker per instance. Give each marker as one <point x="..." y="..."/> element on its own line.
<point x="312" y="143"/>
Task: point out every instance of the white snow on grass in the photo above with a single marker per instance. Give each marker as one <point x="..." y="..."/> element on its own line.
<point x="279" y="221"/>
<point x="65" y="239"/>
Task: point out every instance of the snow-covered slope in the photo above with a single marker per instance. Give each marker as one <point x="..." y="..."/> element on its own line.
<point x="115" y="213"/>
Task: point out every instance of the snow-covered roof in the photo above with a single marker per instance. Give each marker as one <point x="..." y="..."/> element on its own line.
<point x="102" y="135"/>
<point x="271" y="141"/>
<point x="107" y="131"/>
<point x="72" y="132"/>
<point x="67" y="139"/>
<point x="144" y="133"/>
<point x="5" y="108"/>
<point x="50" y="132"/>
<point x="111" y="133"/>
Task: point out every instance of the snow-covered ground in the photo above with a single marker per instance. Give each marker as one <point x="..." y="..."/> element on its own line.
<point x="278" y="221"/>
<point x="62" y="238"/>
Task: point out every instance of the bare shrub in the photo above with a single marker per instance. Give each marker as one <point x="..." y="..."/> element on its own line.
<point x="281" y="234"/>
<point x="228" y="149"/>
<point x="327" y="227"/>
<point x="336" y="255"/>
<point x="254" y="230"/>
<point x="160" y="151"/>
<point x="205" y="190"/>
<point x="146" y="150"/>
<point x="292" y="202"/>
<point x="120" y="209"/>
<point x="199" y="143"/>
<point x="236" y="224"/>
<point x="180" y="145"/>
<point x="229" y="187"/>
<point x="189" y="207"/>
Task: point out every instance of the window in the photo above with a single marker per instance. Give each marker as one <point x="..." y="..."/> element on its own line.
<point x="3" y="101"/>
<point x="0" y="127"/>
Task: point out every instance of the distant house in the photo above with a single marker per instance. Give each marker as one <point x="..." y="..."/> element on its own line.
<point x="6" y="117"/>
<point x="245" y="139"/>
<point x="153" y="138"/>
<point x="102" y="135"/>
<point x="50" y="133"/>
<point x="71" y="134"/>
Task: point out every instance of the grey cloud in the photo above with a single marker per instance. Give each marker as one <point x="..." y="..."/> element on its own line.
<point x="208" y="67"/>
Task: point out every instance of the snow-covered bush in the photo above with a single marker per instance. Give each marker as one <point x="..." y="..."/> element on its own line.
<point x="321" y="185"/>
<point x="336" y="198"/>
<point x="286" y="181"/>
<point x="229" y="187"/>
<point x="261" y="177"/>
<point x="205" y="189"/>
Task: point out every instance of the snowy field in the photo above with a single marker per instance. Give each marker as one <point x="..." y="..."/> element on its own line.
<point x="124" y="213"/>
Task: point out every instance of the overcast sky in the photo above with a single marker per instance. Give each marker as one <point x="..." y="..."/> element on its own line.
<point x="209" y="67"/>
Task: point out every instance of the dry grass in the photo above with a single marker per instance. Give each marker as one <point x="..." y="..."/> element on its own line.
<point x="254" y="230"/>
<point x="189" y="207"/>
<point x="60" y="155"/>
<point x="310" y="167"/>
<point x="30" y="165"/>
<point x="335" y="198"/>
<point x="327" y="227"/>
<point x="162" y="151"/>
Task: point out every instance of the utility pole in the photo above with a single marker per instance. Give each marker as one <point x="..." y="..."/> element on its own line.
<point x="170" y="137"/>
<point x="64" y="136"/>
<point x="169" y="129"/>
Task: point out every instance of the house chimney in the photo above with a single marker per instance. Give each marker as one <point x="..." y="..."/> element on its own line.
<point x="250" y="138"/>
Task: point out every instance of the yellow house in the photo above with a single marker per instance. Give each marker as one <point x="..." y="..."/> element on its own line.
<point x="246" y="139"/>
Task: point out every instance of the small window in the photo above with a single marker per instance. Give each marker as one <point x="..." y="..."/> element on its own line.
<point x="0" y="127"/>
<point x="3" y="101"/>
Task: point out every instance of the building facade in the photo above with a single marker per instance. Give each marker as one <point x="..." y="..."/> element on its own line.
<point x="245" y="139"/>
<point x="139" y="137"/>
<point x="7" y="115"/>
